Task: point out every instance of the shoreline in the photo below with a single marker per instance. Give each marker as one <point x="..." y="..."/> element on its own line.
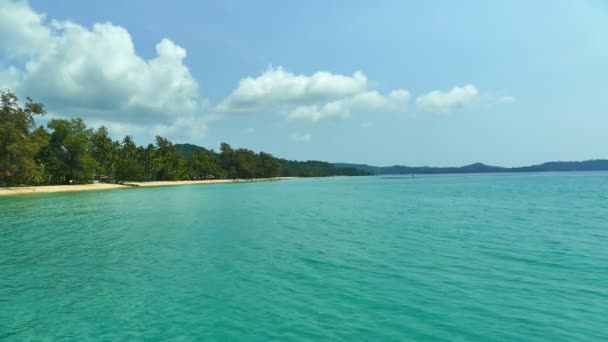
<point x="49" y="189"/>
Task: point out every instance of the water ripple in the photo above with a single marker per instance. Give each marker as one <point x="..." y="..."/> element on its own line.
<point x="472" y="258"/>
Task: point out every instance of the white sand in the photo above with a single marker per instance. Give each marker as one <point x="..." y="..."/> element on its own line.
<point x="45" y="189"/>
<point x="58" y="188"/>
<point x="206" y="181"/>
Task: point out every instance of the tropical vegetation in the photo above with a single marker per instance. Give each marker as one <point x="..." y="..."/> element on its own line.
<point x="67" y="151"/>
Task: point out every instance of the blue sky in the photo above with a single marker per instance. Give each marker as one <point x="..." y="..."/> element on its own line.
<point x="387" y="82"/>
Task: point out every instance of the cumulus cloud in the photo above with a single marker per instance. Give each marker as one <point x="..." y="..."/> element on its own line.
<point x="396" y="100"/>
<point x="300" y="137"/>
<point x="96" y="73"/>
<point x="324" y="96"/>
<point x="276" y="87"/>
<point x="328" y="111"/>
<point x="22" y="30"/>
<point x="313" y="98"/>
<point x="9" y="78"/>
<point x="185" y="129"/>
<point x="444" y="102"/>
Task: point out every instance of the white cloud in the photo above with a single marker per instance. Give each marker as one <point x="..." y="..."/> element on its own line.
<point x="249" y="130"/>
<point x="189" y="129"/>
<point x="444" y="102"/>
<point x="313" y="98"/>
<point x="9" y="78"/>
<point x="186" y="128"/>
<point x="276" y="87"/>
<point x="300" y="137"/>
<point x="95" y="73"/>
<point x="396" y="100"/>
<point x="22" y="29"/>
<point x="329" y="111"/>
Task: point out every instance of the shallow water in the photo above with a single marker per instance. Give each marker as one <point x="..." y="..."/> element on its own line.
<point x="514" y="257"/>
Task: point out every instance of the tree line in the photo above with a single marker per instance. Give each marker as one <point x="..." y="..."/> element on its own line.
<point x="67" y="151"/>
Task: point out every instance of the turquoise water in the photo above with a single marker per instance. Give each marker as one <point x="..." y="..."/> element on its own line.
<point x="464" y="258"/>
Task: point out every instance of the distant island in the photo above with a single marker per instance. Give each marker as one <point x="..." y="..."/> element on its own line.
<point x="569" y="166"/>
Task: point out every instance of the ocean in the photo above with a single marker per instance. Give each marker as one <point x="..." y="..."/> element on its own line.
<point x="495" y="257"/>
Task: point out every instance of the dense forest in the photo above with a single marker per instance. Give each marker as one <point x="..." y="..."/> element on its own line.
<point x="67" y="151"/>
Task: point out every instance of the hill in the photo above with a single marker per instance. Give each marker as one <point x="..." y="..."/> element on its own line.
<point x="289" y="168"/>
<point x="589" y="165"/>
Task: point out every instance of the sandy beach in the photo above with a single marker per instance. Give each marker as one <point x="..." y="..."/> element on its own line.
<point x="206" y="181"/>
<point x="45" y="189"/>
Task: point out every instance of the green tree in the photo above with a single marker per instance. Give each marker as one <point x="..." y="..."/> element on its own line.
<point x="128" y="167"/>
<point x="245" y="163"/>
<point x="147" y="157"/>
<point x="70" y="152"/>
<point x="227" y="161"/>
<point x="104" y="151"/>
<point x="206" y="164"/>
<point x="171" y="165"/>
<point x="269" y="166"/>
<point x="18" y="147"/>
<point x="67" y="156"/>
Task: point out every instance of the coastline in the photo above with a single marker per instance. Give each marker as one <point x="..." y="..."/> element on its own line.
<point x="48" y="189"/>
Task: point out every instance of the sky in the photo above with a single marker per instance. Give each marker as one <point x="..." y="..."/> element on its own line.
<point x="437" y="83"/>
